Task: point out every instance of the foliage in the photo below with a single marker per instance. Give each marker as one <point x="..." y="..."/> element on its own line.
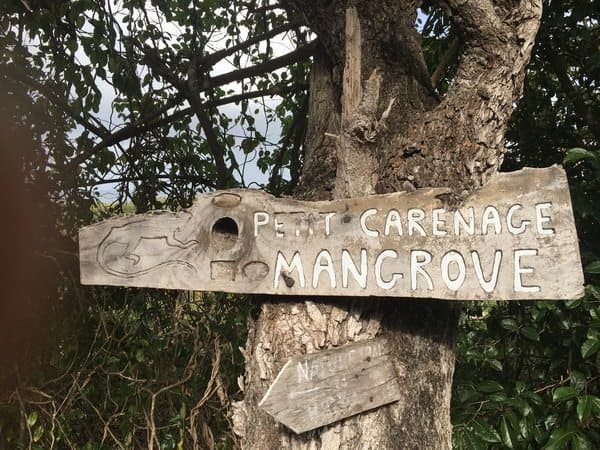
<point x="158" y="100"/>
<point x="154" y="102"/>
<point x="148" y="368"/>
<point x="527" y="374"/>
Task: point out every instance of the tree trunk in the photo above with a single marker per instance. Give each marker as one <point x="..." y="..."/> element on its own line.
<point x="376" y="124"/>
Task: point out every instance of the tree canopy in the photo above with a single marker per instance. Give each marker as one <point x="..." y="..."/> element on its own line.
<point x="123" y="105"/>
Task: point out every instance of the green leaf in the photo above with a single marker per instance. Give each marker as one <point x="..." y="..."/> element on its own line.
<point x="38" y="433"/>
<point x="584" y="407"/>
<point x="139" y="355"/>
<point x="559" y="439"/>
<point x="590" y="347"/>
<point x="593" y="267"/>
<point x="497" y="365"/>
<point x="530" y="333"/>
<point x="577" y="154"/>
<point x="572" y="304"/>
<point x="509" y="324"/>
<point x="563" y="393"/>
<point x="485" y="431"/>
<point x="489" y="386"/>
<point x="248" y="144"/>
<point x="505" y="433"/>
<point x="578" y="380"/>
<point x="520" y="404"/>
<point x="593" y="290"/>
<point x="32" y="418"/>
<point x="473" y="441"/>
<point x="526" y="427"/>
<point x="513" y="420"/>
<point x="580" y="442"/>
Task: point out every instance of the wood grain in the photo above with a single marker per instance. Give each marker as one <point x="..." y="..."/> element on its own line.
<point x="523" y="244"/>
<point x="321" y="388"/>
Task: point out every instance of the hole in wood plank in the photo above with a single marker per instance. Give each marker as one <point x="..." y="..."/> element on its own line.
<point x="225" y="233"/>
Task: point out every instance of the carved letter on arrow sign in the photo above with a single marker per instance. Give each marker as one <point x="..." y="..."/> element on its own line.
<point x="321" y="388"/>
<point x="513" y="239"/>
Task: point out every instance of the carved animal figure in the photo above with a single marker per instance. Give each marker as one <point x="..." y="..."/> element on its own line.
<point x="145" y="244"/>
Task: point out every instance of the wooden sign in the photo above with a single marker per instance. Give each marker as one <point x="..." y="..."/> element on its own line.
<point x="514" y="239"/>
<point x="321" y="388"/>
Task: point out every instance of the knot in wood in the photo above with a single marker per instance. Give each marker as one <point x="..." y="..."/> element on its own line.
<point x="364" y="129"/>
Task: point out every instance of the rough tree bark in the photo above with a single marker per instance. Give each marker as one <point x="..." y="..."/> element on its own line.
<point x="376" y="124"/>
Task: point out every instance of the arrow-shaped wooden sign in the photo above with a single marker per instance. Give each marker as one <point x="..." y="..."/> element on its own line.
<point x="513" y="239"/>
<point x="321" y="388"/>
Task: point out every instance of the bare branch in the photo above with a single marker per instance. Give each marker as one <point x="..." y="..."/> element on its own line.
<point x="181" y="178"/>
<point x="211" y="59"/>
<point x="300" y="54"/>
<point x="152" y="122"/>
<point x="134" y="129"/>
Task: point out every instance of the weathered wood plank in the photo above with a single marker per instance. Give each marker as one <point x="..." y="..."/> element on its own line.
<point x="321" y="388"/>
<point x="514" y="239"/>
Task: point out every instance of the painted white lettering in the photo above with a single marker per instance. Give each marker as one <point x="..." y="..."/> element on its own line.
<point x="460" y="222"/>
<point x="378" y="263"/>
<point x="487" y="286"/>
<point x="438" y="222"/>
<point x="303" y="373"/>
<point x="415" y="215"/>
<point x="309" y="223"/>
<point x="418" y="259"/>
<point x="260" y="219"/>
<point x="509" y="221"/>
<point x="363" y="222"/>
<point x="392" y="220"/>
<point x="328" y="217"/>
<point x="319" y="267"/>
<point x="490" y="217"/>
<point x="283" y="267"/>
<point x="278" y="226"/>
<point x="348" y="266"/>
<point x="541" y="219"/>
<point x="518" y="282"/>
<point x="453" y="257"/>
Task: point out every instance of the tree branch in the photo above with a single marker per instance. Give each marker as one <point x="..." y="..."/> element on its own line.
<point x="188" y="178"/>
<point x="153" y="122"/>
<point x="132" y="130"/>
<point x="489" y="79"/>
<point x="141" y="125"/>
<point x="211" y="59"/>
<point x="216" y="149"/>
<point x="300" y="54"/>
<point x="477" y="18"/>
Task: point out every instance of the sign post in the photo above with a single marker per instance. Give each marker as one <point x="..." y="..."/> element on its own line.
<point x="321" y="388"/>
<point x="514" y="239"/>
